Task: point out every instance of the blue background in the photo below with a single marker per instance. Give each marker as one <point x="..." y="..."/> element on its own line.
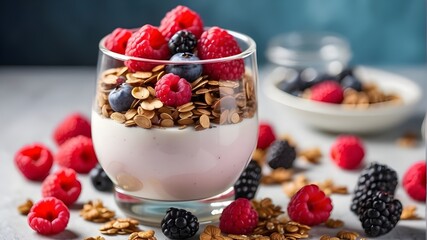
<point x="56" y="32"/>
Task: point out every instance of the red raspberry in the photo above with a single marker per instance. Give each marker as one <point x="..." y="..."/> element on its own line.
<point x="238" y="218"/>
<point x="181" y="18"/>
<point x="118" y="40"/>
<point x="310" y="206"/>
<point x="49" y="216"/>
<point x="347" y="152"/>
<point x="173" y="90"/>
<point x="218" y="43"/>
<point x="77" y="153"/>
<point x="327" y="91"/>
<point x="414" y="181"/>
<point x="63" y="185"/>
<point x="148" y="43"/>
<point x="34" y="161"/>
<point x="73" y="125"/>
<point x="265" y="136"/>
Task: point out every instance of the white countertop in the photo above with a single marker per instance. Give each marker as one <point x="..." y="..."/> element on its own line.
<point x="33" y="100"/>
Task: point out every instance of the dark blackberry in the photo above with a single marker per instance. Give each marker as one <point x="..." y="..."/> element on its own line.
<point x="247" y="184"/>
<point x="182" y="41"/>
<point x="380" y="214"/>
<point x="374" y="178"/>
<point x="179" y="224"/>
<point x="280" y="154"/>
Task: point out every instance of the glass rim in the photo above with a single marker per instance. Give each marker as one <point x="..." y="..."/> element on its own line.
<point x="245" y="38"/>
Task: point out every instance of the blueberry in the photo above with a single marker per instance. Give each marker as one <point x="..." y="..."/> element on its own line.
<point x="346" y="72"/>
<point x="121" y="98"/>
<point x="189" y="72"/>
<point x="290" y="81"/>
<point x="351" y="82"/>
<point x="307" y="78"/>
<point x="100" y="180"/>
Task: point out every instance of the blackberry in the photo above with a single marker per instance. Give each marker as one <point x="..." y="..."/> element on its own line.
<point x="247" y="184"/>
<point x="380" y="214"/>
<point x="280" y="154"/>
<point x="182" y="41"/>
<point x="374" y="178"/>
<point x="179" y="224"/>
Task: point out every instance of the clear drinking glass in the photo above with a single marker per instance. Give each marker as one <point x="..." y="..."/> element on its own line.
<point x="187" y="156"/>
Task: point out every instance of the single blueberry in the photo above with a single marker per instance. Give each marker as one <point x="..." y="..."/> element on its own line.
<point x="100" y="180"/>
<point x="189" y="71"/>
<point x="307" y="78"/>
<point x="290" y="81"/>
<point x="350" y="81"/>
<point x="346" y="72"/>
<point x="120" y="98"/>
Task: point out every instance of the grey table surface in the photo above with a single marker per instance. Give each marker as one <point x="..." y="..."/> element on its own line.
<point x="33" y="100"/>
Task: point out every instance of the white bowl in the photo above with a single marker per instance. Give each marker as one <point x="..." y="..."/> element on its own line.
<point x="336" y="118"/>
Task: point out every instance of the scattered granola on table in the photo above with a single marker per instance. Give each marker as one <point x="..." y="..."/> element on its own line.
<point x="95" y="211"/>
<point x="25" y="208"/>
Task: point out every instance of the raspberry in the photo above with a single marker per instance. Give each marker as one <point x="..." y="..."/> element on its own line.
<point x="117" y="40"/>
<point x="34" y="161"/>
<point x="173" y="90"/>
<point x="73" y="125"/>
<point x="414" y="181"/>
<point x="218" y="43"/>
<point x="310" y="206"/>
<point x="265" y="135"/>
<point x="181" y="18"/>
<point x="63" y="185"/>
<point x="238" y="218"/>
<point x="347" y="152"/>
<point x="49" y="216"/>
<point x="148" y="43"/>
<point x="248" y="182"/>
<point x="328" y="91"/>
<point x="77" y="153"/>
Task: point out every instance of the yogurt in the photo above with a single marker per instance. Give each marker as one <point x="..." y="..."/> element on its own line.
<point x="173" y="164"/>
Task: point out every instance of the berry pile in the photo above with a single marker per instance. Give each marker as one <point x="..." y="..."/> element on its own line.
<point x="62" y="188"/>
<point x="181" y="37"/>
<point x="343" y="88"/>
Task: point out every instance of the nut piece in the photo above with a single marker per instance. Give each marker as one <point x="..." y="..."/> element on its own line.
<point x="332" y="223"/>
<point x="95" y="238"/>
<point x="25" y="208"/>
<point x="408" y="140"/>
<point x="311" y="155"/>
<point x="94" y="211"/>
<point x="347" y="235"/>
<point x="120" y="226"/>
<point x="277" y="176"/>
<point x="409" y="213"/>
<point x="143" y="235"/>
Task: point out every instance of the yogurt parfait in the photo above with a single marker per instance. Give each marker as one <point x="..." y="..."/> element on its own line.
<point x="174" y="120"/>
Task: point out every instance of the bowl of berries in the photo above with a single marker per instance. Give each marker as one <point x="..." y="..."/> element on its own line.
<point x="357" y="100"/>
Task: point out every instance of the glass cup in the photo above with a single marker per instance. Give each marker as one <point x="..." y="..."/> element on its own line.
<point x="187" y="156"/>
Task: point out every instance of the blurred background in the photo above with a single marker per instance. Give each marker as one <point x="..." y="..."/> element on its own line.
<point x="51" y="32"/>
